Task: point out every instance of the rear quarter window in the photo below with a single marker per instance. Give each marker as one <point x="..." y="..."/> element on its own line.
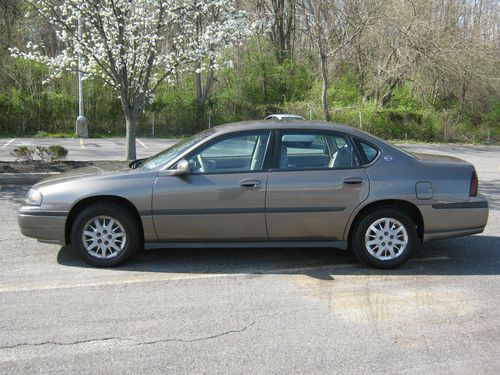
<point x="367" y="151"/>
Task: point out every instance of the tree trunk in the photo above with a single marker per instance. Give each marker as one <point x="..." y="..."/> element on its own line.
<point x="199" y="99"/>
<point x="201" y="92"/>
<point x="131" y="127"/>
<point x="388" y="94"/>
<point x="200" y="112"/>
<point x="463" y="90"/>
<point x="361" y="71"/>
<point x="281" y="30"/>
<point x="324" y="87"/>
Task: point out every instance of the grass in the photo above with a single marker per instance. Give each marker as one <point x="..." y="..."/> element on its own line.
<point x="44" y="134"/>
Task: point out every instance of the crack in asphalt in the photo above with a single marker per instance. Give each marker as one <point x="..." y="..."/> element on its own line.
<point x="199" y="338"/>
<point x="137" y="342"/>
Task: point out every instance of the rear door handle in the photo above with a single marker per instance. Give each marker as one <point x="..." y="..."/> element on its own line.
<point x="353" y="180"/>
<point x="250" y="184"/>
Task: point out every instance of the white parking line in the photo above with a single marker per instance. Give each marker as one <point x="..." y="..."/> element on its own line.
<point x="8" y="143"/>
<point x="142" y="144"/>
<point x="154" y="277"/>
<point x="81" y="143"/>
<point x="25" y="287"/>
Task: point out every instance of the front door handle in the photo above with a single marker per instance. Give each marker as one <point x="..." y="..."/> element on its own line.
<point x="250" y="184"/>
<point x="353" y="180"/>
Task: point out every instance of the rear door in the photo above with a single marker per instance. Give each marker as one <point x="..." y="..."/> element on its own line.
<point x="222" y="199"/>
<point x="314" y="185"/>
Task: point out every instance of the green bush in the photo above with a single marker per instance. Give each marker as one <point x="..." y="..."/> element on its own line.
<point x="56" y="152"/>
<point x="45" y="154"/>
<point x="44" y="134"/>
<point x="23" y="153"/>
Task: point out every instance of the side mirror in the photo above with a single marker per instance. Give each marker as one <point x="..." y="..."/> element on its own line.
<point x="135" y="163"/>
<point x="182" y="168"/>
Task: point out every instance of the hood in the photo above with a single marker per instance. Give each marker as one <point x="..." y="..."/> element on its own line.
<point x="103" y="168"/>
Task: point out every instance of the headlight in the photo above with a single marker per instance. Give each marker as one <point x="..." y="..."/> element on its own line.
<point x="34" y="198"/>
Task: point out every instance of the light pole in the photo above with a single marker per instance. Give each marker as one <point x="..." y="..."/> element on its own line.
<point x="82" y="128"/>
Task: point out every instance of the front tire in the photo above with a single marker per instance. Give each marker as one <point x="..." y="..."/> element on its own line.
<point x="105" y="235"/>
<point x="384" y="238"/>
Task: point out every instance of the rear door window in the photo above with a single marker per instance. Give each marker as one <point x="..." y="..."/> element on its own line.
<point x="315" y="150"/>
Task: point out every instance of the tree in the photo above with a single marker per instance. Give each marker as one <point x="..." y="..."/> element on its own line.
<point x="332" y="26"/>
<point x="220" y="15"/>
<point x="280" y="17"/>
<point x="135" y="45"/>
<point x="10" y="13"/>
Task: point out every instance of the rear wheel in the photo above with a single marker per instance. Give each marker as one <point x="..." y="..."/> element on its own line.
<point x="384" y="238"/>
<point x="105" y="235"/>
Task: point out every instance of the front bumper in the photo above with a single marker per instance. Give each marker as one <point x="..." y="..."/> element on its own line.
<point x="45" y="226"/>
<point x="447" y="220"/>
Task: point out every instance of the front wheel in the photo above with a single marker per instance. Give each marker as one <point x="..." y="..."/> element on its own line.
<point x="105" y="235"/>
<point x="384" y="238"/>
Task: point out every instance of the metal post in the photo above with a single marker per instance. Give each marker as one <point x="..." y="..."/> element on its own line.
<point x="82" y="129"/>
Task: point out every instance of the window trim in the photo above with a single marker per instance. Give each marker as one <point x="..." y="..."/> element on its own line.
<point x="223" y="137"/>
<point x="277" y="149"/>
<point x="355" y="141"/>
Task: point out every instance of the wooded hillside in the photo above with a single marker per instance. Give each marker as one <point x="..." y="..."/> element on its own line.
<point x="403" y="69"/>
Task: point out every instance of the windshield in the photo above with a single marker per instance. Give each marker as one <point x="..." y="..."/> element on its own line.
<point x="171" y="153"/>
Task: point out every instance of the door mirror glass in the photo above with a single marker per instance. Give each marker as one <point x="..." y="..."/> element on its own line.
<point x="182" y="168"/>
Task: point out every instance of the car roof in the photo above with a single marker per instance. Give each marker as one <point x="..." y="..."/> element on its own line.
<point x="276" y="124"/>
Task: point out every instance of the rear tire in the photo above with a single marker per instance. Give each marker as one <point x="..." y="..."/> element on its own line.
<point x="105" y="235"/>
<point x="384" y="238"/>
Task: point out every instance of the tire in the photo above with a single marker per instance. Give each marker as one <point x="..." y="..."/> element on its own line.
<point x="384" y="238"/>
<point x="101" y="242"/>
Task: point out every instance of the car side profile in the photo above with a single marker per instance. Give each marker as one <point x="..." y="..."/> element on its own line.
<point x="261" y="184"/>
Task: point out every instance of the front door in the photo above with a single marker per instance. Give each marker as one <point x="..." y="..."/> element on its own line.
<point x="314" y="186"/>
<point x="222" y="199"/>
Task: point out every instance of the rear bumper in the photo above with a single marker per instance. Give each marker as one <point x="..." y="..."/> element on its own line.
<point x="44" y="226"/>
<point x="447" y="220"/>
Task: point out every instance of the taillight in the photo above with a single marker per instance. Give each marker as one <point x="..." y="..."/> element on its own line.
<point x="474" y="183"/>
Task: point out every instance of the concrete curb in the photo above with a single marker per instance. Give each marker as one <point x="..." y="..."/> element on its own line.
<point x="23" y="178"/>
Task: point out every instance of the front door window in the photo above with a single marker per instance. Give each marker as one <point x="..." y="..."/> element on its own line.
<point x="241" y="153"/>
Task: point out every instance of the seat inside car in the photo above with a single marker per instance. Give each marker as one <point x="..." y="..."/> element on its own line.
<point x="342" y="158"/>
<point x="283" y="157"/>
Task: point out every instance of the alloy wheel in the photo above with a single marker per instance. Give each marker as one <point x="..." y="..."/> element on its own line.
<point x="386" y="239"/>
<point x="104" y="237"/>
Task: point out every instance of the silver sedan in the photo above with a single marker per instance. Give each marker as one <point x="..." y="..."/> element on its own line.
<point x="261" y="184"/>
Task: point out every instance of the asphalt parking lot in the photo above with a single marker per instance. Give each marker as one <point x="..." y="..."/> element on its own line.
<point x="89" y="148"/>
<point x="255" y="311"/>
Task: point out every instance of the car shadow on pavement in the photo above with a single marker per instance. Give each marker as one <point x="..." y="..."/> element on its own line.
<point x="13" y="193"/>
<point x="475" y="255"/>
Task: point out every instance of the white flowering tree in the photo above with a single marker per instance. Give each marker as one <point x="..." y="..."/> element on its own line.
<point x="135" y="45"/>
